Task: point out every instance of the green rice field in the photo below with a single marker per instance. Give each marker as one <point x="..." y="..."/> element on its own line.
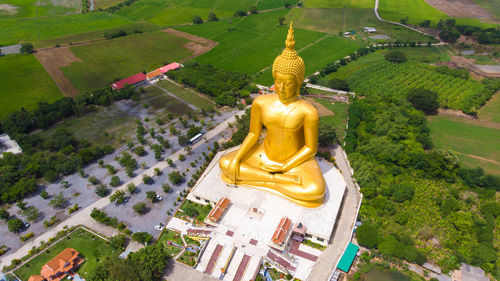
<point x="107" y="60"/>
<point x="491" y="110"/>
<point x="38" y="8"/>
<point x="91" y="247"/>
<point x="474" y="144"/>
<point x="24" y="83"/>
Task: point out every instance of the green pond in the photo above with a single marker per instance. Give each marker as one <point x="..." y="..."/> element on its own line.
<point x="377" y="275"/>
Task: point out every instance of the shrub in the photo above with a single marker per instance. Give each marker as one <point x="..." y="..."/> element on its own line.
<point x="140" y="151"/>
<point x="151" y="195"/>
<point x="27" y="237"/>
<point x="175" y="177"/>
<point x="44" y="194"/>
<point x="140" y="208"/>
<point x="197" y="19"/>
<point x="4" y="214"/>
<point x="93" y="180"/>
<point x="240" y="13"/>
<point x="165" y="187"/>
<point x="338" y="84"/>
<point x="117" y="241"/>
<point x="367" y="236"/>
<point x="157" y="172"/>
<point x="15" y="225"/>
<point x="115" y="181"/>
<point x="118" y="196"/>
<point x="142" y="237"/>
<point x="424" y="100"/>
<point x="102" y="190"/>
<point x="26" y="48"/>
<point x="395" y="57"/>
<point x="327" y="134"/>
<point x="131" y="188"/>
<point x="31" y="213"/>
<point x="58" y="201"/>
<point x="147" y="179"/>
<point x="212" y="17"/>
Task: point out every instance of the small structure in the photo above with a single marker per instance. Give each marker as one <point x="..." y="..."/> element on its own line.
<point x="198" y="233"/>
<point x="155" y="75"/>
<point x="60" y="266"/>
<point x="299" y="232"/>
<point x="8" y="145"/>
<point x="468" y="272"/>
<point x="217" y="211"/>
<point x="136" y="80"/>
<point x="348" y="257"/>
<point x="370" y="29"/>
<point x="281" y="233"/>
<point x="164" y="69"/>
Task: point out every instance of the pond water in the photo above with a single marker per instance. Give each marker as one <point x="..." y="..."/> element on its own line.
<point x="377" y="275"/>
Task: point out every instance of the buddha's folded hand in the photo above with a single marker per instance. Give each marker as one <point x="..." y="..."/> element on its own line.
<point x="272" y="168"/>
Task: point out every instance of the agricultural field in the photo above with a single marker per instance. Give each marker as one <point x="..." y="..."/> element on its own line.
<point x="91" y="247"/>
<point x="491" y="110"/>
<point x="38" y="8"/>
<point x="491" y="6"/>
<point x="24" y="83"/>
<point x="424" y="54"/>
<point x="474" y="144"/>
<point x="187" y="95"/>
<point x="34" y="30"/>
<point x="103" y="4"/>
<point x="385" y="77"/>
<point x="105" y="61"/>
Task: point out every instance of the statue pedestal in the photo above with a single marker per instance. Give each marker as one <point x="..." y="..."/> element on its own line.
<point x="253" y="215"/>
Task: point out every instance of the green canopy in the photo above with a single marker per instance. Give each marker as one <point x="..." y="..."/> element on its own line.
<point x="348" y="257"/>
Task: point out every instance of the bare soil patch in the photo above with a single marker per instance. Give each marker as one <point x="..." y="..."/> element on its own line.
<point x="199" y="45"/>
<point x="55" y="58"/>
<point x="460" y="9"/>
<point x="322" y="110"/>
<point x="477" y="71"/>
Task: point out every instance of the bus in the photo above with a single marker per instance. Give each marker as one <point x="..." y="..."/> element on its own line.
<point x="195" y="139"/>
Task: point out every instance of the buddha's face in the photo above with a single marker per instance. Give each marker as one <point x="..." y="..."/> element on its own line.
<point x="286" y="87"/>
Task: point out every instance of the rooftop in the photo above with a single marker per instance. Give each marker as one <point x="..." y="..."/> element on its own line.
<point x="134" y="79"/>
<point x="281" y="231"/>
<point x="154" y="73"/>
<point x="170" y="66"/>
<point x="219" y="208"/>
<point x="348" y="257"/>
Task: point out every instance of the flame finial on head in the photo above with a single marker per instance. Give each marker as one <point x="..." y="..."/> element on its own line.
<point x="289" y="61"/>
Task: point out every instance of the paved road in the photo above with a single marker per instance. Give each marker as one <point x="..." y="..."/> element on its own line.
<point x="345" y="224"/>
<point x="83" y="216"/>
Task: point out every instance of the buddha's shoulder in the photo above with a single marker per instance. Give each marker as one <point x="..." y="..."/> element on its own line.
<point x="307" y="106"/>
<point x="262" y="99"/>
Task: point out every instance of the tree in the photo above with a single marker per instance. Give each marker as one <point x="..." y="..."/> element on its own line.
<point x="15" y="225"/>
<point x="115" y="181"/>
<point x="424" y="100"/>
<point x="240" y="13"/>
<point x="142" y="237"/>
<point x="131" y="188"/>
<point x="140" y="208"/>
<point x="151" y="195"/>
<point x="175" y="177"/>
<point x="402" y="193"/>
<point x="338" y="84"/>
<point x="327" y="134"/>
<point x="288" y="5"/>
<point x="58" y="201"/>
<point x="147" y="179"/>
<point x="117" y="241"/>
<point x="31" y="213"/>
<point x="93" y="180"/>
<point x="102" y="190"/>
<point x="449" y="35"/>
<point x="367" y="236"/>
<point x="212" y="17"/>
<point x="253" y="9"/>
<point x="197" y="19"/>
<point x="44" y="194"/>
<point x="26" y="48"/>
<point x="281" y="20"/>
<point x="4" y="214"/>
<point x="395" y="57"/>
<point x="165" y="187"/>
<point x="190" y="210"/>
<point x="118" y="196"/>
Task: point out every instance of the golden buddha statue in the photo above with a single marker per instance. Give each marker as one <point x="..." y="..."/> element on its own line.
<point x="284" y="163"/>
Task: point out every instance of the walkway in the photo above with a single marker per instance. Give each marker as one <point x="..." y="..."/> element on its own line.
<point x="83" y="216"/>
<point x="345" y="223"/>
<point x="318" y="87"/>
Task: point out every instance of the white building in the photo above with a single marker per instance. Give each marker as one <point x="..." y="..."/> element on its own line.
<point x="370" y="29"/>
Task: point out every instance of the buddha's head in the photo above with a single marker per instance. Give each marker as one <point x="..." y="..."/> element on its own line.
<point x="288" y="71"/>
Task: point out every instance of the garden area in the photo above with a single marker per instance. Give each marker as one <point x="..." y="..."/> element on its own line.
<point x="193" y="211"/>
<point x="92" y="248"/>
<point x="172" y="241"/>
<point x="189" y="257"/>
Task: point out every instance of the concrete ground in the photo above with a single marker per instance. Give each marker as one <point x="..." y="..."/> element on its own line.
<point x="13" y="49"/>
<point x="344" y="226"/>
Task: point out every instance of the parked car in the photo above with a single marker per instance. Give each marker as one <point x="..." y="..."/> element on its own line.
<point x="159" y="226"/>
<point x="26" y="224"/>
<point x="159" y="198"/>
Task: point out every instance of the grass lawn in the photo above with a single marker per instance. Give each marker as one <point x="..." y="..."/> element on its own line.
<point x="339" y="118"/>
<point x="170" y="235"/>
<point x="103" y="4"/>
<point x="491" y="110"/>
<point x="201" y="210"/>
<point x="91" y="247"/>
<point x="188" y="258"/>
<point x="474" y="144"/>
<point x="190" y="97"/>
<point x="105" y="61"/>
<point x="24" y="83"/>
<point x="13" y="31"/>
<point x="39" y="8"/>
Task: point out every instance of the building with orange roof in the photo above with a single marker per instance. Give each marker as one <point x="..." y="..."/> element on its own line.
<point x="281" y="233"/>
<point x="36" y="278"/>
<point x="154" y="75"/>
<point x="60" y="266"/>
<point x="217" y="211"/>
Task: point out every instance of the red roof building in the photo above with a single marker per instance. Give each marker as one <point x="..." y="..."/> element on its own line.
<point x="154" y="74"/>
<point x="217" y="211"/>
<point x="58" y="267"/>
<point x="281" y="231"/>
<point x="132" y="80"/>
<point x="169" y="67"/>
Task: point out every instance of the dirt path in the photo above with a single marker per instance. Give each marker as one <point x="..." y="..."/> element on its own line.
<point x="481" y="71"/>
<point x="199" y="45"/>
<point x="461" y="9"/>
<point x="55" y="58"/>
<point x="482" y="158"/>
